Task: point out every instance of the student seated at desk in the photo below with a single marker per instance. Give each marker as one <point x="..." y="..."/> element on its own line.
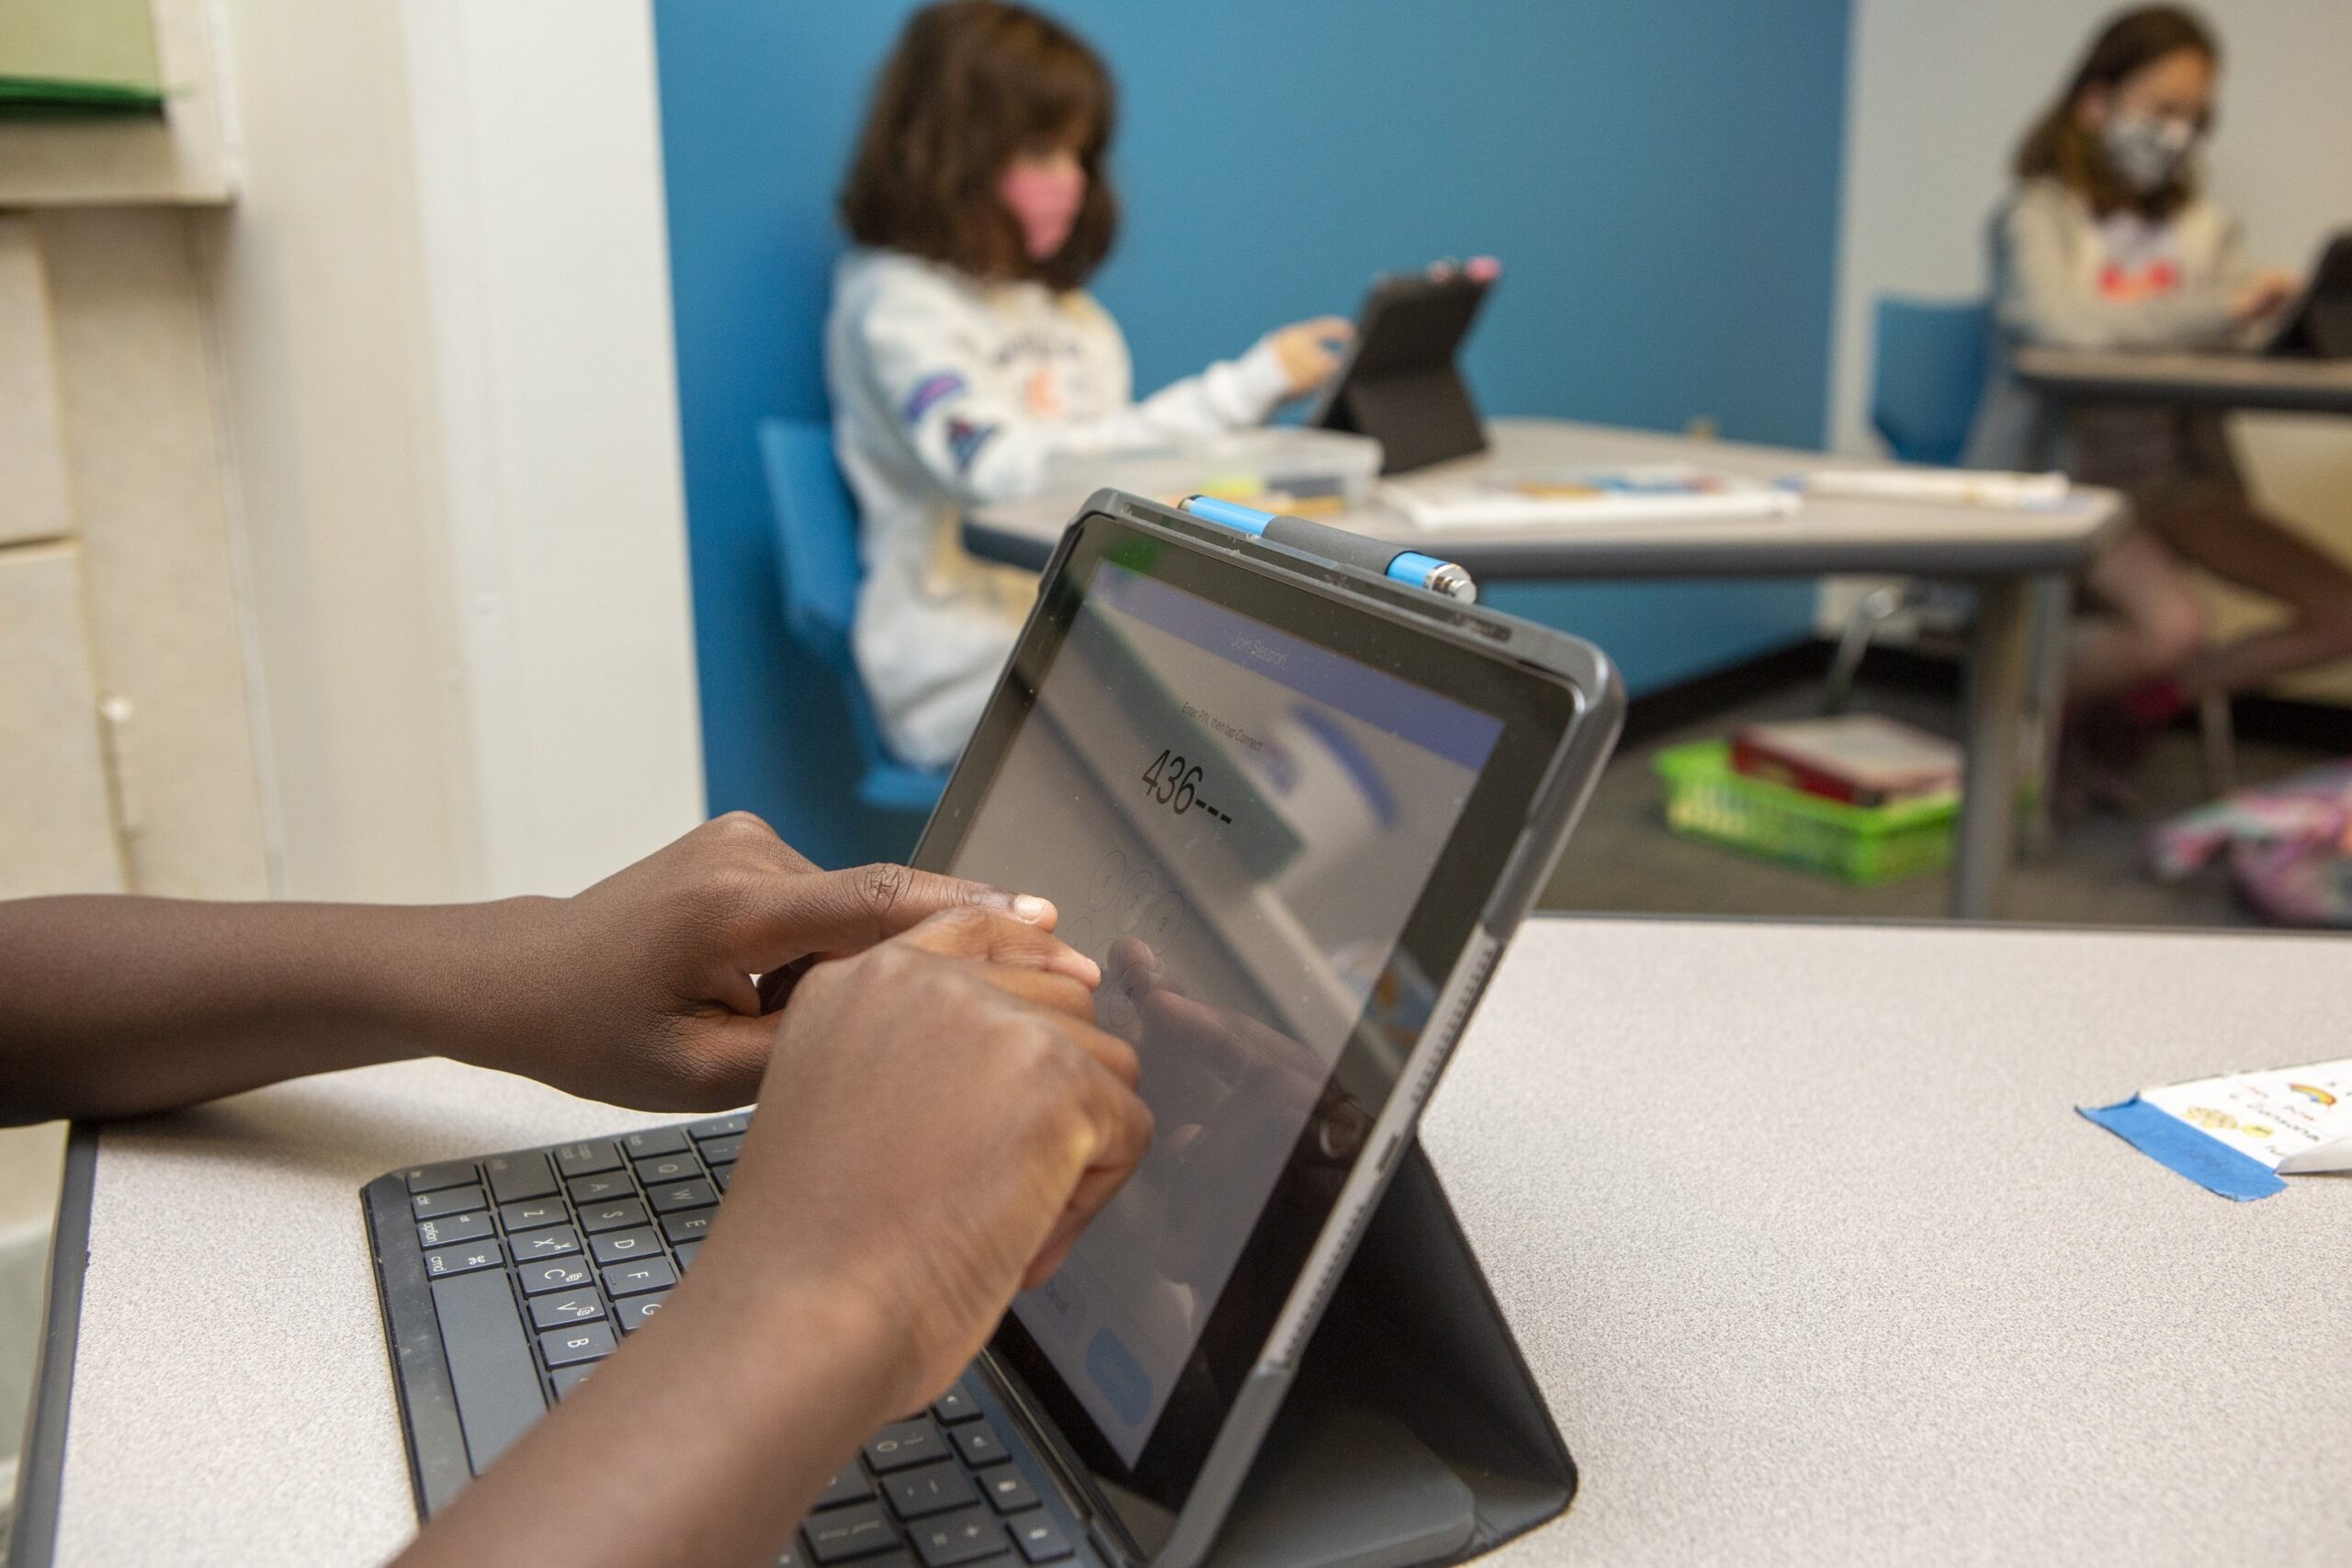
<point x="2109" y="242"/>
<point x="907" y="1179"/>
<point x="964" y="354"/>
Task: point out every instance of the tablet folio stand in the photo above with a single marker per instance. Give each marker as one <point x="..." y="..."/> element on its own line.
<point x="1420" y="415"/>
<point x="1413" y="1433"/>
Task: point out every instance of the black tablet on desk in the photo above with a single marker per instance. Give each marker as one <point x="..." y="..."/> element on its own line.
<point x="1295" y="810"/>
<point x="1401" y="383"/>
<point x="2320" y="326"/>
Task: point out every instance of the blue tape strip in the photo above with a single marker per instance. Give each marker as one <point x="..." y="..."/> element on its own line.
<point x="2173" y="1143"/>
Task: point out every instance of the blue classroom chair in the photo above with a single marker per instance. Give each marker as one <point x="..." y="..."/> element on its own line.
<point x="816" y="536"/>
<point x="1928" y="364"/>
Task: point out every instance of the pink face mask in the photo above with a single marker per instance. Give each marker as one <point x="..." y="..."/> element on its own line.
<point x="1044" y="198"/>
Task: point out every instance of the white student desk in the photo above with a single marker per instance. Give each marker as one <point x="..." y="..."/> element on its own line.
<point x="2005" y="555"/>
<point x="2201" y="380"/>
<point x="1795" y="1225"/>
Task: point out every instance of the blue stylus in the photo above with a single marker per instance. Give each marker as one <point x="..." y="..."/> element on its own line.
<point x="1338" y="545"/>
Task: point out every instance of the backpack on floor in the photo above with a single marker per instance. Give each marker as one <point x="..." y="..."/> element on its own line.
<point x="2289" y="846"/>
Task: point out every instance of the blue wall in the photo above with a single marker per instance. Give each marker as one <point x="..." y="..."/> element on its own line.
<point x="1659" y="177"/>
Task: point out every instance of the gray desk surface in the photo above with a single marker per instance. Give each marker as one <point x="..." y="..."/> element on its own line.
<point x="1795" y="1223"/>
<point x="2213" y="380"/>
<point x="1827" y="536"/>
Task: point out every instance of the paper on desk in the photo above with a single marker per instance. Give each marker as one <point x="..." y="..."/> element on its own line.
<point x="1601" y="496"/>
<point x="1942" y="487"/>
<point x="2237" y="1135"/>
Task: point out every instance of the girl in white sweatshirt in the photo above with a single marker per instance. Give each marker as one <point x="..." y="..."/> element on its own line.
<point x="963" y="354"/>
<point x="2110" y="243"/>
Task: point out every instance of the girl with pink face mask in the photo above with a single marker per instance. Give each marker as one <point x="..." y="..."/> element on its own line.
<point x="963" y="354"/>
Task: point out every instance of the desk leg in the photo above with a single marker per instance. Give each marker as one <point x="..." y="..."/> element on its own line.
<point x="2051" y="608"/>
<point x="1999" y="660"/>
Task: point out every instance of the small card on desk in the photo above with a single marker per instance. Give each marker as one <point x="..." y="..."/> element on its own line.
<point x="2238" y="1134"/>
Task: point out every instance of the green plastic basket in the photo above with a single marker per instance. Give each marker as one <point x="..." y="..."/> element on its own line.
<point x="1867" y="845"/>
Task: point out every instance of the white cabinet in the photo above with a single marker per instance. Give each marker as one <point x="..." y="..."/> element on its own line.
<point x="57" y="830"/>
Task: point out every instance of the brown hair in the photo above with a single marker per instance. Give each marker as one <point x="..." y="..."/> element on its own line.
<point x="971" y="85"/>
<point x="2059" y="148"/>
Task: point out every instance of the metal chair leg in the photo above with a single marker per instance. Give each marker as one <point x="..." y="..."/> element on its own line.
<point x="2220" y="742"/>
<point x="1877" y="607"/>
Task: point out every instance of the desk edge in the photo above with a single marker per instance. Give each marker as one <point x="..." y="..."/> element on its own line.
<point x="41" y="1470"/>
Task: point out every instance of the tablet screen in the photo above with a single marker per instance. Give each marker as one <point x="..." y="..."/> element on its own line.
<point x="1238" y="820"/>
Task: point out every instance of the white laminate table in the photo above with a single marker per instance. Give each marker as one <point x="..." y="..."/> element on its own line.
<point x="1795" y="1225"/>
<point x="2202" y="381"/>
<point x="2012" y="558"/>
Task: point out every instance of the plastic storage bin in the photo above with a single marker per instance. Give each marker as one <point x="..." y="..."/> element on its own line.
<point x="1867" y="845"/>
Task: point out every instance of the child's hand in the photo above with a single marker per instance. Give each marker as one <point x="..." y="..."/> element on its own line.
<point x="955" y="1119"/>
<point x="2266" y="293"/>
<point x="639" y="990"/>
<point x="1310" y="351"/>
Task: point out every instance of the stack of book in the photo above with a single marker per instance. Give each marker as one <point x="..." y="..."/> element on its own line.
<point x="1859" y="759"/>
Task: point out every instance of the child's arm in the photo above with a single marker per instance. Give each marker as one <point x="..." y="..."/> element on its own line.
<point x="637" y="990"/>
<point x="923" y="365"/>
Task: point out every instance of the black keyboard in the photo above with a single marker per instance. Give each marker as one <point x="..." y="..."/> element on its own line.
<point x="506" y="1279"/>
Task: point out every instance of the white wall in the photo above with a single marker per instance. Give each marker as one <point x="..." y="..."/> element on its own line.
<point x="1939" y="93"/>
<point x="442" y="326"/>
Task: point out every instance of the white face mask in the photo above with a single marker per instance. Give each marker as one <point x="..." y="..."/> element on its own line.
<point x="2147" y="150"/>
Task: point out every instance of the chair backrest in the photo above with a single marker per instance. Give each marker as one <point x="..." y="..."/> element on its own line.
<point x="816" y="546"/>
<point x="816" y="537"/>
<point x="1927" y="375"/>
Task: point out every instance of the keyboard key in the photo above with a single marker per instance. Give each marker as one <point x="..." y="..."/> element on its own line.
<point x="669" y="1168"/>
<point x="957" y="1403"/>
<point x="1009" y="1490"/>
<point x="636" y="1312"/>
<point x="443" y="1260"/>
<point x="685" y="1251"/>
<point x="560" y="1242"/>
<point x="451" y="1232"/>
<point x="844" y="1533"/>
<point x="530" y="1216"/>
<point x="490" y="1362"/>
<point x="598" y="1218"/>
<point x="1041" y="1540"/>
<point x="682" y="1195"/>
<point x="733" y="1126"/>
<point x="581" y="1342"/>
<point x="645" y="1274"/>
<point x="903" y="1445"/>
<point x="691" y="1225"/>
<point x="980" y="1444"/>
<point x="654" y="1141"/>
<point x="433" y="1178"/>
<point x="514" y="1177"/>
<point x="572" y="1306"/>
<point x="449" y="1201"/>
<point x="566" y="1379"/>
<point x="586" y="1159"/>
<point x="848" y="1485"/>
<point x="607" y="1189"/>
<point x="723" y="1175"/>
<point x="620" y="1247"/>
<point x="958" y="1538"/>
<point x="796" y="1554"/>
<point x="928" y="1489"/>
<point x="722" y="1151"/>
<point x="554" y="1274"/>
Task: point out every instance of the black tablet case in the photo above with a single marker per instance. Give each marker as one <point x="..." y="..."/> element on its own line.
<point x="1402" y="386"/>
<point x="1412" y="1344"/>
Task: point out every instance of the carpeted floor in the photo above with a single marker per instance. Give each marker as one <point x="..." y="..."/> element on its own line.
<point x="1623" y="858"/>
